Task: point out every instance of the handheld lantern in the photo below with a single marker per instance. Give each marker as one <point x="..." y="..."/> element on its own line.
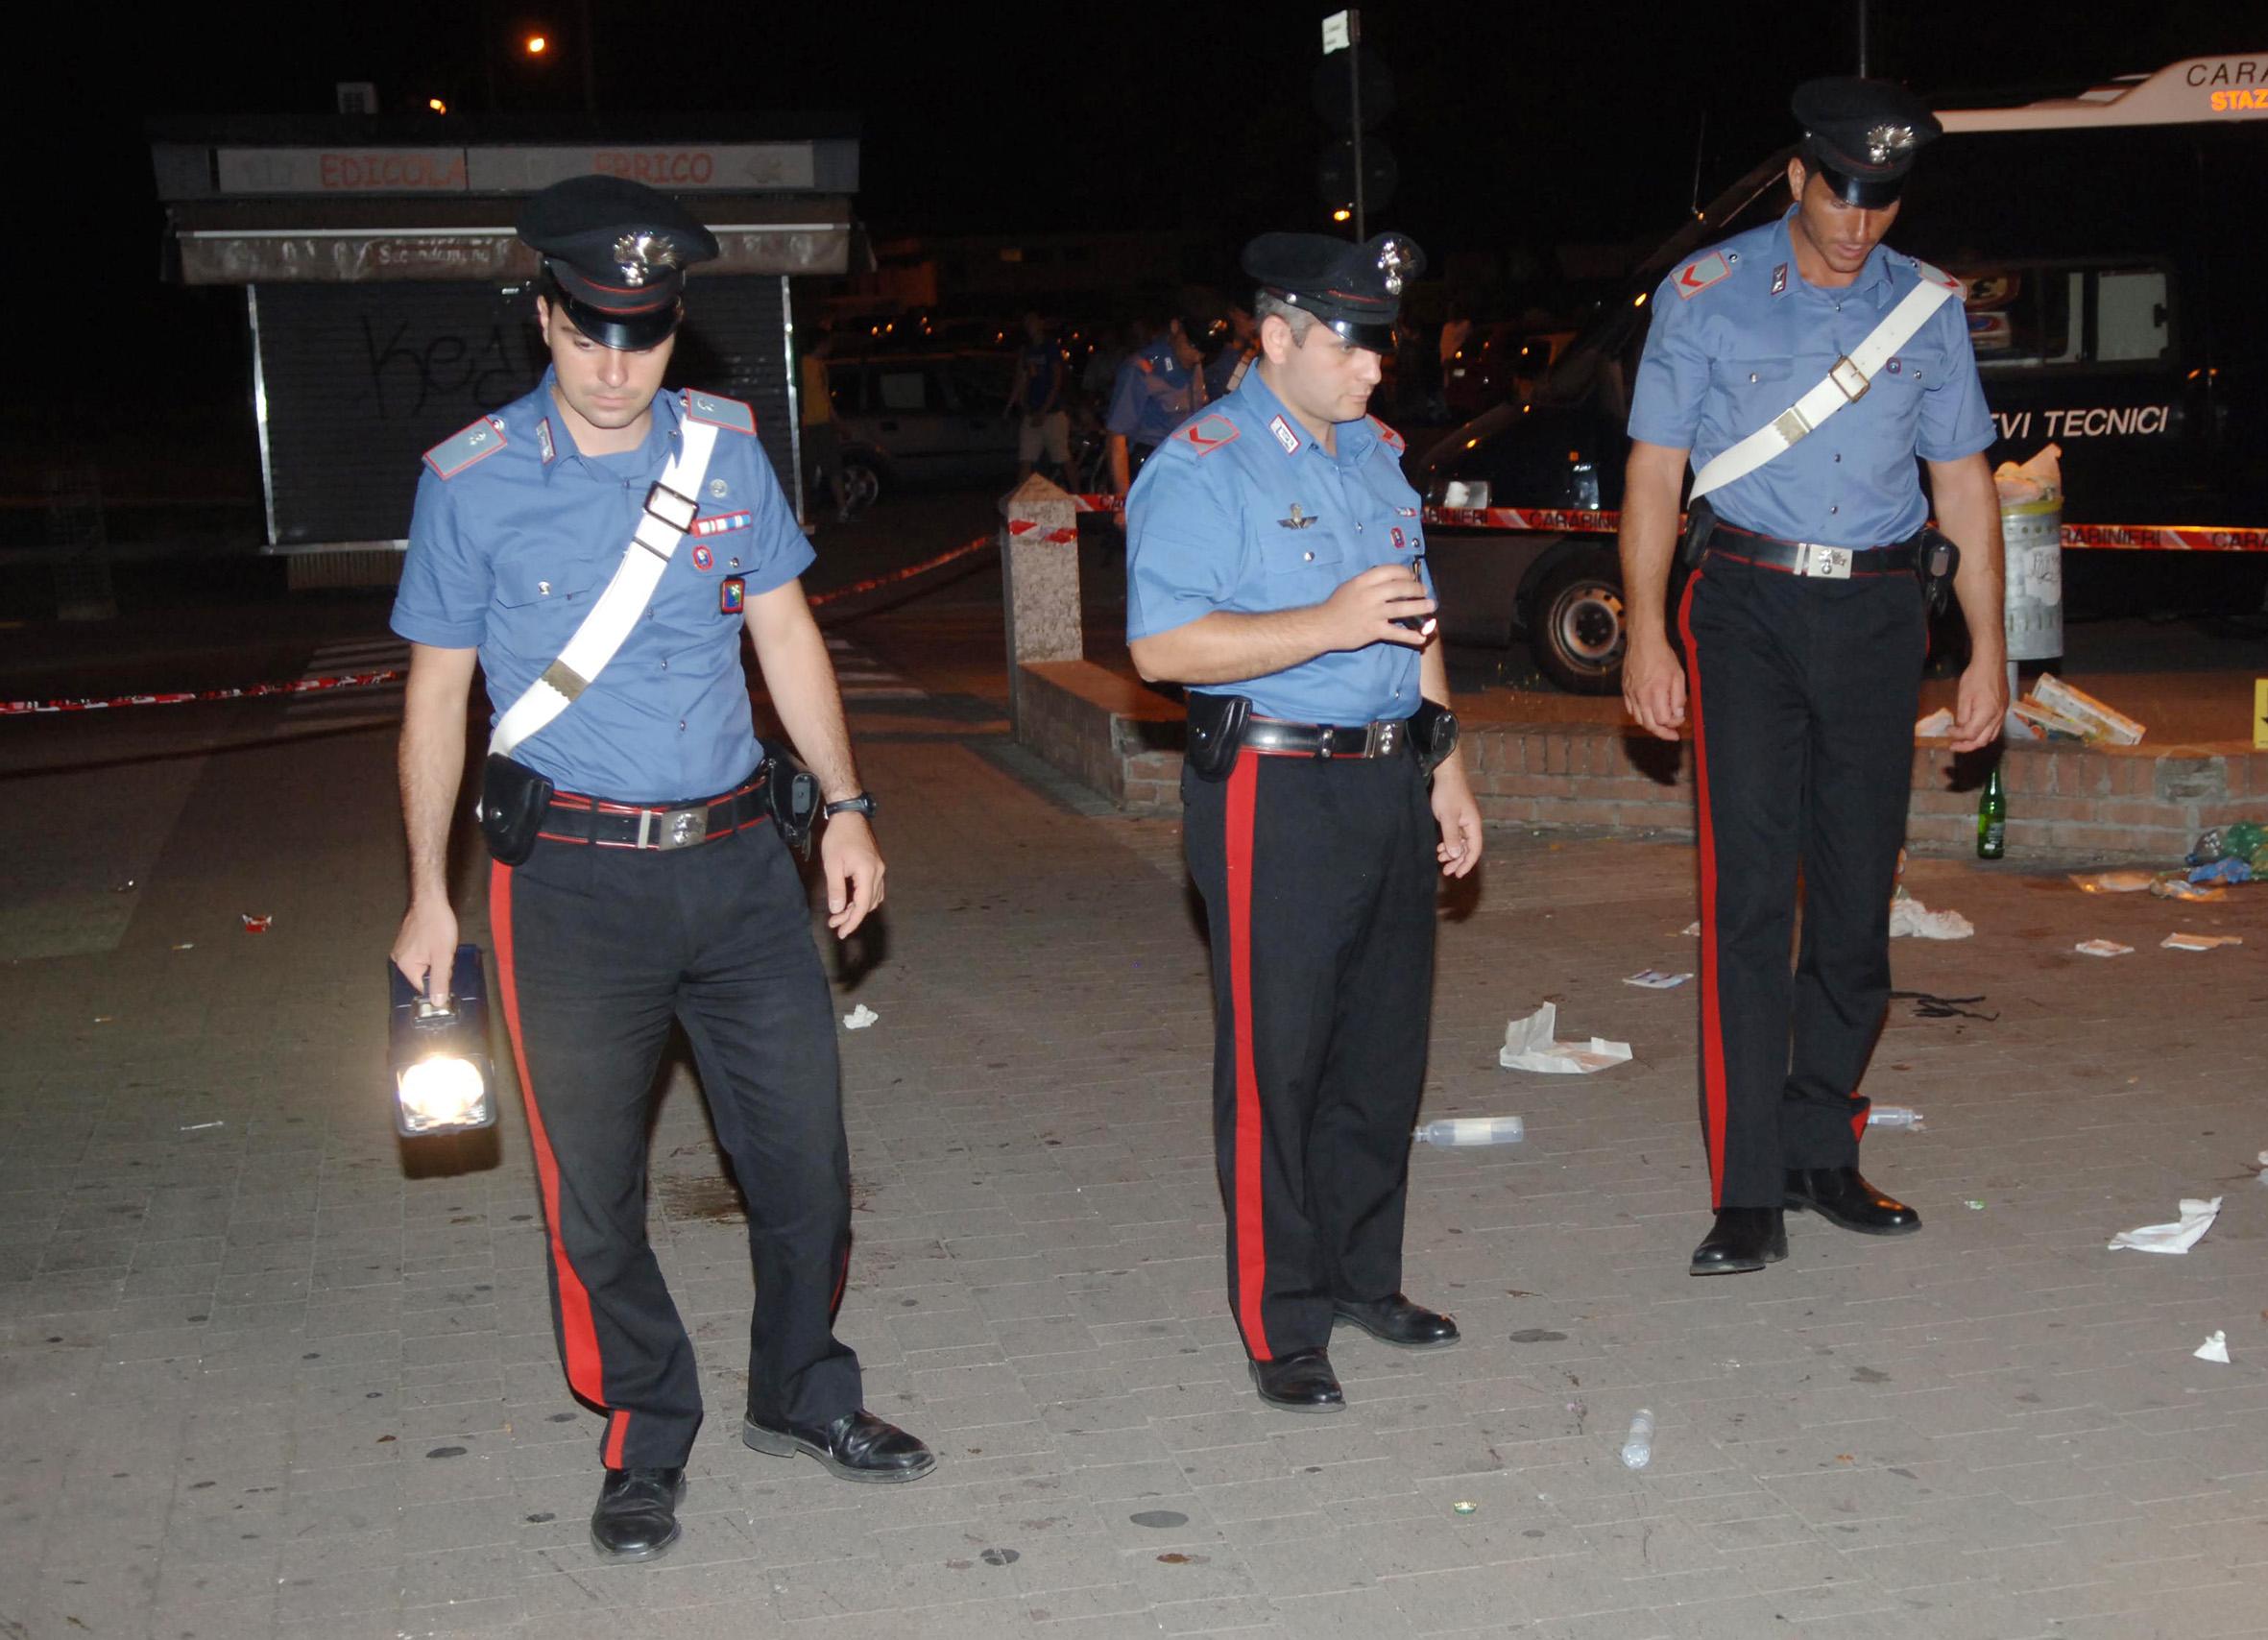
<point x="443" y="1080"/>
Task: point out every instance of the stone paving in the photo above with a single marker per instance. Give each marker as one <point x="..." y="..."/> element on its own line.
<point x="260" y="1378"/>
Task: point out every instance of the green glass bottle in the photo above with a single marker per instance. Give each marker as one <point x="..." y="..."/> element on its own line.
<point x="1992" y="818"/>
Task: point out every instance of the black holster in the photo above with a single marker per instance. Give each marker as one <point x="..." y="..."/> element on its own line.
<point x="1216" y="730"/>
<point x="792" y="792"/>
<point x="1433" y="729"/>
<point x="1700" y="523"/>
<point x="513" y="801"/>
<point x="1936" y="559"/>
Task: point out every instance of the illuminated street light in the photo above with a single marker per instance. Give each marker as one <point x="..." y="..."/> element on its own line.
<point x="537" y="45"/>
<point x="437" y="105"/>
<point x="1340" y="214"/>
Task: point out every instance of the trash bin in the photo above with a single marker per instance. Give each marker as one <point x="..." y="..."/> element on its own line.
<point x="2032" y="546"/>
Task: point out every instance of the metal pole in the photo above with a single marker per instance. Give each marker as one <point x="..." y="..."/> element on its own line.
<point x="1354" y="76"/>
<point x="1862" y="38"/>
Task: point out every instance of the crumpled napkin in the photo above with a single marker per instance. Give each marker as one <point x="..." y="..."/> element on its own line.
<point x="860" y="1017"/>
<point x="1528" y="1045"/>
<point x="2214" y="1348"/>
<point x="1910" y="916"/>
<point x="2197" y="1218"/>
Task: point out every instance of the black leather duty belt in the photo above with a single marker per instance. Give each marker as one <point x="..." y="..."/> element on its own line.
<point x="575" y="819"/>
<point x="1273" y="737"/>
<point x="1809" y="559"/>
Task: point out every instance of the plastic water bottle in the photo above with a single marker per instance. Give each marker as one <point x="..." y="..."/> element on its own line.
<point x="1472" y="1130"/>
<point x="1638" y="1447"/>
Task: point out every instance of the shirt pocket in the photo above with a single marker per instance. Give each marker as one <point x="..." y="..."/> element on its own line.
<point x="545" y="599"/>
<point x="1311" y="551"/>
<point x="1753" y="391"/>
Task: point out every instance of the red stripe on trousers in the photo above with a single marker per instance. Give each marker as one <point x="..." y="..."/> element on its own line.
<point x="1244" y="783"/>
<point x="617" y="1429"/>
<point x="579" y="1336"/>
<point x="1712" y="1015"/>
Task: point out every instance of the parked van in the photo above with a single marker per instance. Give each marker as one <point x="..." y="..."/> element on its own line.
<point x="2115" y="304"/>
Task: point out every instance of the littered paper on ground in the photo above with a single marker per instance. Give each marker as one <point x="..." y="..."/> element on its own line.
<point x="860" y="1017"/>
<point x="2179" y="1237"/>
<point x="2199" y="942"/>
<point x="2103" y="948"/>
<point x="1910" y="916"/>
<point x="2214" y="1348"/>
<point x="2112" y="881"/>
<point x="1529" y="1046"/>
<point x="1656" y="979"/>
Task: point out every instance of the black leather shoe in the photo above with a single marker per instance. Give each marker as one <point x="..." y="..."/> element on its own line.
<point x="1300" y="1383"/>
<point x="1396" y="1321"/>
<point x="1842" y="1195"/>
<point x="857" y="1446"/>
<point x="1743" y="1239"/>
<point x="637" y="1513"/>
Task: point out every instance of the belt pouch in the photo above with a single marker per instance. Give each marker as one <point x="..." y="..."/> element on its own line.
<point x="513" y="800"/>
<point x="1700" y="523"/>
<point x="1434" y="728"/>
<point x="1936" y="558"/>
<point x="792" y="795"/>
<point x="1216" y="730"/>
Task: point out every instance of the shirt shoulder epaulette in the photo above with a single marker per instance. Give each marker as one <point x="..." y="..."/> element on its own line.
<point x="1208" y="433"/>
<point x="475" y="442"/>
<point x="1392" y="440"/>
<point x="1699" y="275"/>
<point x="1932" y="274"/>
<point x="719" y="411"/>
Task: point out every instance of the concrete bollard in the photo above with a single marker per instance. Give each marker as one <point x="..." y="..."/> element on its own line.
<point x="1039" y="582"/>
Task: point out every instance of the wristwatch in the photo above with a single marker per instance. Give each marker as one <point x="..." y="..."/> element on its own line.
<point x="862" y="804"/>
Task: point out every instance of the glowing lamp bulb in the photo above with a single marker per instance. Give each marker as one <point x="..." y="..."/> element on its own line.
<point x="442" y="1093"/>
<point x="537" y="45"/>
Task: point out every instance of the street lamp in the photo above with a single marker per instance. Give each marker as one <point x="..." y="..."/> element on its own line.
<point x="1340" y="214"/>
<point x="537" y="45"/>
<point x="437" y="105"/>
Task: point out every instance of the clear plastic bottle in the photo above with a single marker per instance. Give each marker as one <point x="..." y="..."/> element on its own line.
<point x="1472" y="1130"/>
<point x="1638" y="1447"/>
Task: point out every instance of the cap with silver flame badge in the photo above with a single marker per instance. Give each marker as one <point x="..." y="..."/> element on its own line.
<point x="1356" y="290"/>
<point x="614" y="253"/>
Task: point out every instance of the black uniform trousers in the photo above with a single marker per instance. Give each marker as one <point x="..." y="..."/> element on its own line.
<point x="597" y="949"/>
<point x="1318" y="879"/>
<point x="1803" y="694"/>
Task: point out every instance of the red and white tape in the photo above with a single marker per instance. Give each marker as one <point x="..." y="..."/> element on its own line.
<point x="182" y="697"/>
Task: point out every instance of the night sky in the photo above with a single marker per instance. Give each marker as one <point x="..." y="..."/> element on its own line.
<point x="1517" y="124"/>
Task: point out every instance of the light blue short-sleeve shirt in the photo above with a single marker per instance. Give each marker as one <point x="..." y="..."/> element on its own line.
<point x="1737" y="336"/>
<point x="1244" y="510"/>
<point x="1151" y="395"/>
<point x="515" y="534"/>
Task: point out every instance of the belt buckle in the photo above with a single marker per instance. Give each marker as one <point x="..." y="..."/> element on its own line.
<point x="1382" y="739"/>
<point x="672" y="827"/>
<point x="672" y="508"/>
<point x="1844" y="374"/>
<point x="1825" y="562"/>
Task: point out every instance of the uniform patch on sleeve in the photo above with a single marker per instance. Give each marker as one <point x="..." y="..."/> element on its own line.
<point x="1208" y="433"/>
<point x="465" y="447"/>
<point x="1393" y="439"/>
<point x="1697" y="277"/>
<point x="719" y="411"/>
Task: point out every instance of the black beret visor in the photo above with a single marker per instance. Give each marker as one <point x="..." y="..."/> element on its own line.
<point x="1378" y="336"/>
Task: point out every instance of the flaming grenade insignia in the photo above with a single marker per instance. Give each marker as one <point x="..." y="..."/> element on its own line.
<point x="1885" y="142"/>
<point x="638" y="255"/>
<point x="1394" y="257"/>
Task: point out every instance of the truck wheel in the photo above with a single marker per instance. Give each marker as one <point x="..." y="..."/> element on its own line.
<point x="863" y="480"/>
<point x="1575" y="630"/>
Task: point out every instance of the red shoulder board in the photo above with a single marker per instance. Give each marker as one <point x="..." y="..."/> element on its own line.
<point x="1145" y="365"/>
<point x="465" y="447"/>
<point x="1934" y="274"/>
<point x="1208" y="433"/>
<point x="717" y="409"/>
<point x="1393" y="439"/>
<point x="1697" y="277"/>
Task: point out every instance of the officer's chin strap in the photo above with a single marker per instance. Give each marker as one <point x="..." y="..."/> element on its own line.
<point x="670" y="506"/>
<point x="1845" y="384"/>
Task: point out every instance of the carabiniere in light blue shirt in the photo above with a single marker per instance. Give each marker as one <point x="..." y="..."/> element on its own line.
<point x="1244" y="510"/>
<point x="1737" y="336"/>
<point x="515" y="534"/>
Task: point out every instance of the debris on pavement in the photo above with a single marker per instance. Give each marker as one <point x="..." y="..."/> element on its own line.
<point x="1693" y="930"/>
<point x="2227" y="869"/>
<point x="1471" y="1130"/>
<point x="201" y="1127"/>
<point x="1932" y="1007"/>
<point x="2199" y="942"/>
<point x="1465" y="1506"/>
<point x="2103" y="948"/>
<point x="2244" y="840"/>
<point x="1973" y="1205"/>
<point x="2112" y="881"/>
<point x="1910" y="916"/>
<point x="2097" y="721"/>
<point x="2214" y="1348"/>
<point x="256" y="923"/>
<point x="860" y="1017"/>
<point x="185" y="945"/>
<point x="1529" y="1046"/>
<point x="1936" y="726"/>
<point x="1893" y="1116"/>
<point x="1656" y="979"/>
<point x="2179" y="1237"/>
<point x="2179" y="887"/>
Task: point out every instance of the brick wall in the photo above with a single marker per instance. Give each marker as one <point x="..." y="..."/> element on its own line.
<point x="2064" y="802"/>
